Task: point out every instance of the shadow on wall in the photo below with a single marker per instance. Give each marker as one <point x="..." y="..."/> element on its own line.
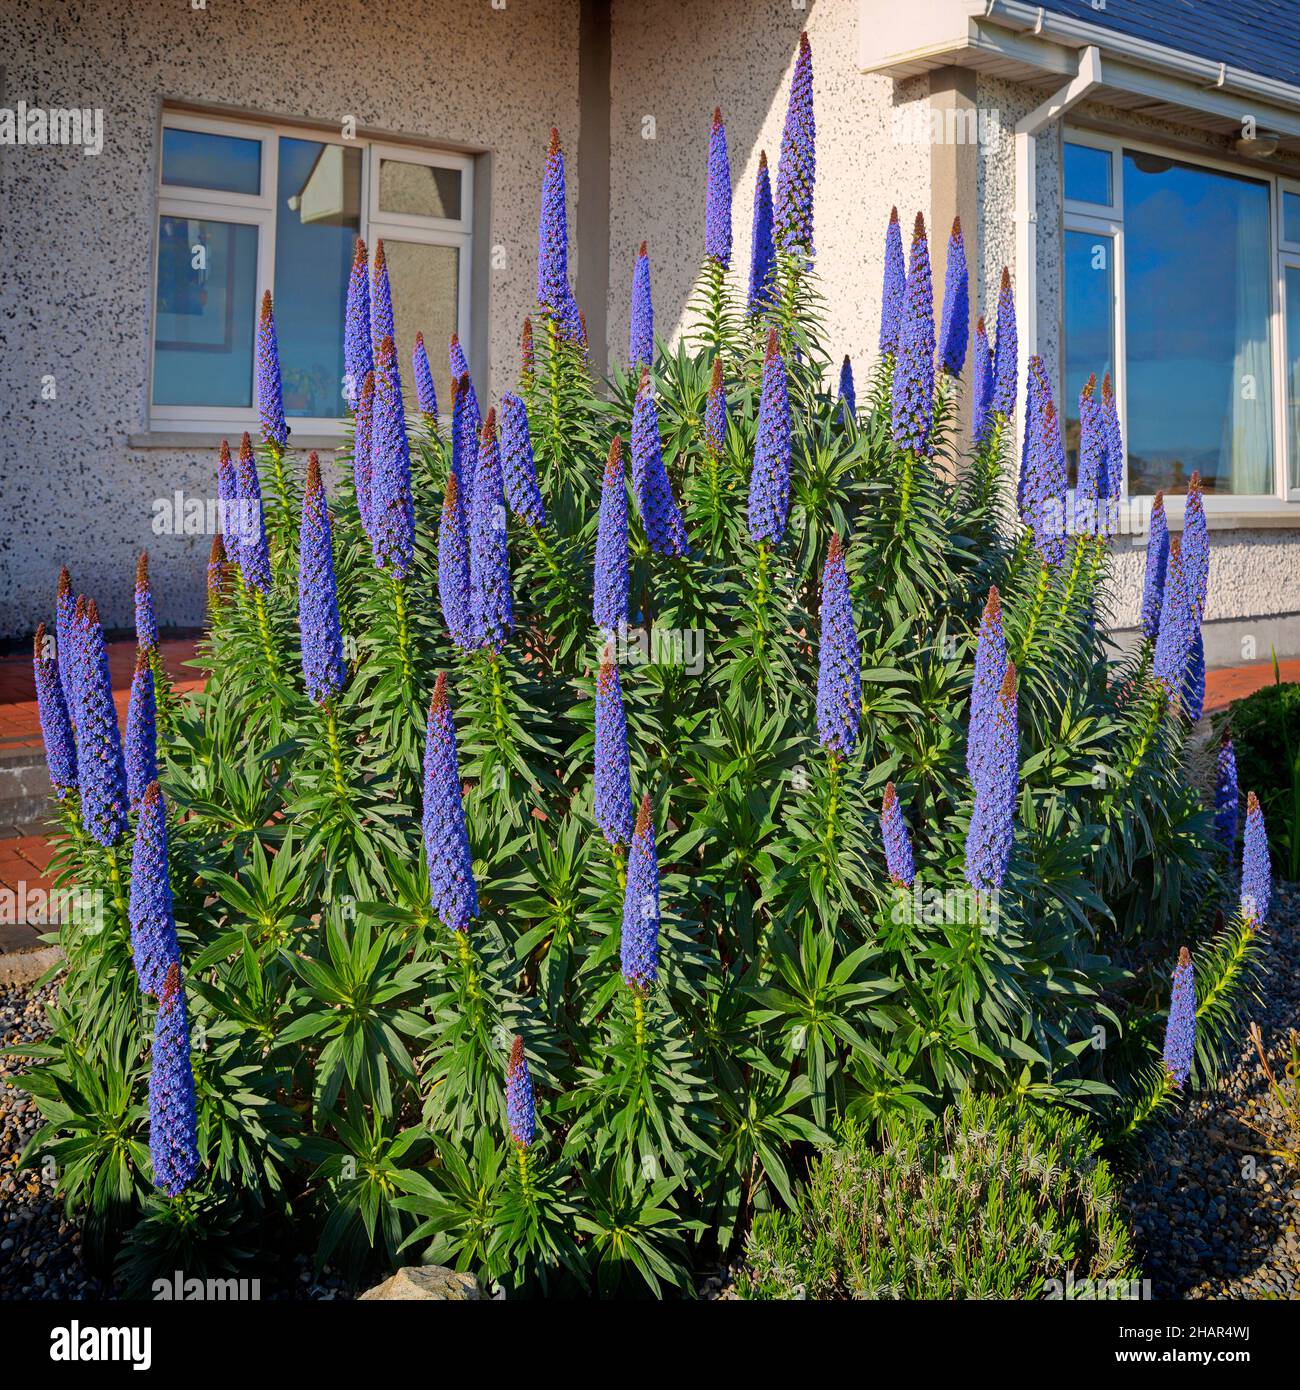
<point x="671" y="64"/>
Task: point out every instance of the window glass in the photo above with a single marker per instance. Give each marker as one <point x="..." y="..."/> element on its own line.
<point x="1293" y="372"/>
<point x="198" y="159"/>
<point x="1291" y="217"/>
<point x="1089" y="325"/>
<point x="426" y="287"/>
<point x="1087" y="175"/>
<point x="205" y="310"/>
<point x="420" y="190"/>
<point x="318" y="219"/>
<point x="1197" y="298"/>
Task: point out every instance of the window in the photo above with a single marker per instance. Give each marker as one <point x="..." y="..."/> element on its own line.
<point x="1178" y="280"/>
<point x="245" y="207"/>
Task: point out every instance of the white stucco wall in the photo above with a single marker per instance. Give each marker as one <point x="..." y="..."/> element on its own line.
<point x="79" y="232"/>
<point x="676" y="62"/>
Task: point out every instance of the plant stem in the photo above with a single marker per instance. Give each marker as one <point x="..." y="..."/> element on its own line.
<point x="1035" y="612"/>
<point x="264" y="631"/>
<point x="119" y="888"/>
<point x="336" y="752"/>
<point x="403" y="627"/>
<point x="467" y="963"/>
<point x="638" y="1015"/>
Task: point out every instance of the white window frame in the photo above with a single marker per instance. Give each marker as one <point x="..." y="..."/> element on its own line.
<point x="1087" y="217"/>
<point x="259" y="211"/>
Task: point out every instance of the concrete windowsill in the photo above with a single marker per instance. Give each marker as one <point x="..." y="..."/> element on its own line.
<point x="198" y="442"/>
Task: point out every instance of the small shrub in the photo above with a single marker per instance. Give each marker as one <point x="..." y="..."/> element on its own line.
<point x="991" y="1202"/>
<point x="1266" y="734"/>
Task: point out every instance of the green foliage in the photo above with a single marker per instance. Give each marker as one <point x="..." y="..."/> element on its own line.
<point x="1265" y="730"/>
<point x="994" y="1201"/>
<point x="350" y="1052"/>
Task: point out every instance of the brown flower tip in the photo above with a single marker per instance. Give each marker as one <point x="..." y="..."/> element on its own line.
<point x="803" y="42"/>
<point x="526" y="337"/>
<point x="893" y="215"/>
<point x="762" y="159"/>
<point x="92" y="612"/>
<point x="772" y="348"/>
<point x="380" y="259"/>
<point x="1194" y="486"/>
<point x="891" y="797"/>
<point x="1049" y="412"/>
<point x="1159" y="504"/>
<point x="464" y="382"/>
<point x="79" y="613"/>
<point x="387" y="348"/>
<point x="993" y="608"/>
<point x="553" y="149"/>
<point x="65" y="582"/>
<point x="366" y="399"/>
<point x="1176" y="548"/>
<point x="1006" y="278"/>
<point x="1252" y="803"/>
<point x="643" y="816"/>
<point x="956" y="229"/>
<point x="642" y="251"/>
<point x="717" y="117"/>
<point x="614" y="463"/>
<point x="918" y="228"/>
<point x="490" y="425"/>
<point x="439" y="702"/>
<point x="979" y="326"/>
<point x="266" y="305"/>
<point x="715" y="380"/>
<point x="1008" y="688"/>
<point x="172" y="984"/>
<point x="359" y="253"/>
<point x="1090" y="386"/>
<point x="835" y="550"/>
<point x="245" y="447"/>
<point x="452" y="493"/>
<point x="141" y="660"/>
<point x="313" y="471"/>
<point x="455" y="340"/>
<point x="419" y="339"/>
<point x="223" y="454"/>
<point x="516" y="1053"/>
<point x="644" y="381"/>
<point x="1107" y="391"/>
<point x="142" y="570"/>
<point x="152" y="793"/>
<point x="605" y="676"/>
<point x="217" y="555"/>
<point x="38" y="643"/>
<point x="582" y="324"/>
<point x="1184" y="956"/>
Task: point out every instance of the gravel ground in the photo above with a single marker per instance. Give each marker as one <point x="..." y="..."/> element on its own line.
<point x="1214" y="1215"/>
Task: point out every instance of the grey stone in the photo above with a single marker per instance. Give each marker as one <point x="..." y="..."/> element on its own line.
<point x="426" y="1282"/>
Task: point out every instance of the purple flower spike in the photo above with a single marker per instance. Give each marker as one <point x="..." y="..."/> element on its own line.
<point x="270" y="400"/>
<point x="641" y="337"/>
<point x="65" y="607"/>
<point x="1256" y="870"/>
<point x="553" y="291"/>
<point x="521" y="1112"/>
<point x="798" y="170"/>
<point x="56" y="727"/>
<point x="1196" y="547"/>
<point x="717" y="196"/>
<point x="640" y="938"/>
<point x="254" y="559"/>
<point x="848" y="392"/>
<point x="1153" y="584"/>
<point x="453" y="570"/>
<point x="1114" y="455"/>
<point x="1004" y="351"/>
<point x="153" y="923"/>
<point x="1094" y="466"/>
<point x="762" y="254"/>
<point x="517" y="461"/>
<point x="982" y="388"/>
<point x="1194" y="681"/>
<point x="323" y="668"/>
<point x="173" y="1125"/>
<point x="660" y="517"/>
<point x="100" y="766"/>
<point x="1177" y="633"/>
<point x="489" y="557"/>
<point x="358" y="349"/>
<point x="913" y="400"/>
<point x="715" y="413"/>
<point x="839" y="665"/>
<point x="1226" y="802"/>
<point x="218" y="575"/>
<point x="992" y="824"/>
<point x="990" y="672"/>
<point x="381" y="303"/>
<point x="466" y="424"/>
<point x="955" y="325"/>
<point x="613" y="781"/>
<point x="392" y="512"/>
<point x="363" y="453"/>
<point x="769" y="480"/>
<point x="898" y="843"/>
<point x="229" y="506"/>
<point x="1036" y="393"/>
<point x="146" y="621"/>
<point x="425" y="395"/>
<point x="1180" y="1031"/>
<point x="894" y="289"/>
<point x="453" y="893"/>
<point x="1045" y="486"/>
<point x="610" y="580"/>
<point x="141" y="732"/>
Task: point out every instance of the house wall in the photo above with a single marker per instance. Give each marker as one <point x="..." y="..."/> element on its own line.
<point x="1253" y="603"/>
<point x="77" y="279"/>
<point x="674" y="62"/>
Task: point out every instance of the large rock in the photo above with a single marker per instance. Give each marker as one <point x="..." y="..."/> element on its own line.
<point x="427" y="1281"/>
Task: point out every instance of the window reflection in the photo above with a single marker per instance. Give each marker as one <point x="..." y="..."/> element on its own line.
<point x="1089" y="325"/>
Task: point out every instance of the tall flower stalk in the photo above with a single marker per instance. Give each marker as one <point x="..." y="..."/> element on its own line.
<point x="65" y="606"/>
<point x="1256" y="869"/>
<point x="797" y="173"/>
<point x="660" y="517"/>
<point x="518" y="463"/>
<point x="639" y="946"/>
<point x="426" y="396"/>
<point x="453" y="569"/>
<point x="56" y="726"/>
<point x="894" y="290"/>
<point x="769" y="479"/>
<point x="141" y="751"/>
<point x="100" y="764"/>
<point x="913" y="396"/>
<point x="153" y="922"/>
<point x="381" y="303"/>
<point x="609" y="591"/>
<point x="762" y="252"/>
<point x="1157" y="567"/>
<point x="612" y="797"/>
<point x="1180" y="1028"/>
<point x="1005" y="349"/>
<point x="321" y="636"/>
<point x="986" y="684"/>
<point x="848" y="395"/>
<point x="954" y="330"/>
<point x="992" y="825"/>
<point x="521" y="1110"/>
<point x="173" y="1125"/>
<point x="358" y="350"/>
<point x="898" y="843"/>
<point x="982" y="388"/>
<point x="453" y="892"/>
<point x="839" y="665"/>
<point x="641" y="334"/>
<point x="489" y="559"/>
<point x="1226" y="796"/>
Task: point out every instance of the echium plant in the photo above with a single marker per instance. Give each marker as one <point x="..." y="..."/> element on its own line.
<point x="542" y="884"/>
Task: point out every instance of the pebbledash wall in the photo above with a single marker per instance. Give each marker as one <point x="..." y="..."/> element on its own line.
<point x="76" y="254"/>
